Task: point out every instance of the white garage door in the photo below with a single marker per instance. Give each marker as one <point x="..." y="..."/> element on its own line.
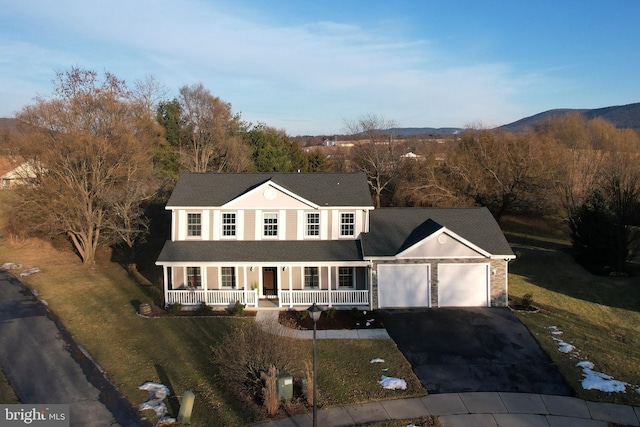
<point x="405" y="285"/>
<point x="463" y="285"/>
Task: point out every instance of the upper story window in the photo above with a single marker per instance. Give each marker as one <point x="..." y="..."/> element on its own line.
<point x="347" y="224"/>
<point x="228" y="224"/>
<point x="228" y="277"/>
<point x="311" y="277"/>
<point x="345" y="277"/>
<point x="313" y="224"/>
<point x="194" y="224"/>
<point x="270" y="221"/>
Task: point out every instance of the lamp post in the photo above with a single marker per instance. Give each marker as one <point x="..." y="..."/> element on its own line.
<point x="314" y="312"/>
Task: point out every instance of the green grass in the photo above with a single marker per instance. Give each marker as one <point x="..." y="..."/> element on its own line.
<point x="599" y="315"/>
<point x="6" y="392"/>
<point x="98" y="306"/>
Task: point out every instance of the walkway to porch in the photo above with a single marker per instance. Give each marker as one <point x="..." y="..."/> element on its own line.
<point x="268" y="320"/>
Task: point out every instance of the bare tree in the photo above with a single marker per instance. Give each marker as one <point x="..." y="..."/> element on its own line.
<point x="375" y="152"/>
<point x="501" y="170"/>
<point x="210" y="137"/>
<point x="92" y="150"/>
<point x="147" y="93"/>
<point x="424" y="182"/>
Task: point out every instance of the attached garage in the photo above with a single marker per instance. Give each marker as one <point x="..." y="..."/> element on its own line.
<point x="404" y="285"/>
<point x="436" y="257"/>
<point x="463" y="285"/>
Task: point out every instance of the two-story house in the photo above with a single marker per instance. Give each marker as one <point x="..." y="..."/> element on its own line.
<point x="299" y="238"/>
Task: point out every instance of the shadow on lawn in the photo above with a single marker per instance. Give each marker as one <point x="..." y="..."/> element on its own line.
<point x="550" y="265"/>
<point x="174" y="404"/>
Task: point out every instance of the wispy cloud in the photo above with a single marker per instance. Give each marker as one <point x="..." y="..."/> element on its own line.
<point x="306" y="77"/>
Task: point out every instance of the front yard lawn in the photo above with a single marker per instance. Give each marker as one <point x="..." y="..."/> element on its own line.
<point x="599" y="316"/>
<point x="98" y="306"/>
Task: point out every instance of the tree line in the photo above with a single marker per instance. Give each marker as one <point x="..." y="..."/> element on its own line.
<point x="102" y="150"/>
<point x="586" y="172"/>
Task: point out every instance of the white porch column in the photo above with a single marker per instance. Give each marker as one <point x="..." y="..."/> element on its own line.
<point x="290" y="288"/>
<point x="329" y="283"/>
<point x="165" y="283"/>
<point x="203" y="272"/>
<point x="245" y="284"/>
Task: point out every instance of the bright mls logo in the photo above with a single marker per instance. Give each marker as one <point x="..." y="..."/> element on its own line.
<point x="35" y="415"/>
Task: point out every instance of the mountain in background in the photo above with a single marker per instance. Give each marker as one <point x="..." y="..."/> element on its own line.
<point x="424" y="131"/>
<point x="621" y="116"/>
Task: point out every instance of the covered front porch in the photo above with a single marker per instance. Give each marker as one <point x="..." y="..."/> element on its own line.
<point x="282" y="285"/>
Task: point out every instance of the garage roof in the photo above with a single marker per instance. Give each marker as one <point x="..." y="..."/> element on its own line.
<point x="324" y="189"/>
<point x="392" y="230"/>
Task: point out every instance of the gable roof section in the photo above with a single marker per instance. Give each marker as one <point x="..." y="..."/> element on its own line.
<point x="260" y="251"/>
<point x="323" y="189"/>
<point x="394" y="230"/>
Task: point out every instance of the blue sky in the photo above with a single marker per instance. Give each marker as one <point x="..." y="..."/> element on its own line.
<point x="307" y="66"/>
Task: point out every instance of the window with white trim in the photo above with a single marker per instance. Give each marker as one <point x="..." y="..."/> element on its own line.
<point x="228" y="224"/>
<point x="311" y="277"/>
<point x="347" y="224"/>
<point x="270" y="222"/>
<point x="194" y="279"/>
<point x="313" y="224"/>
<point x="194" y="224"/>
<point x="345" y="277"/>
<point x="228" y="277"/>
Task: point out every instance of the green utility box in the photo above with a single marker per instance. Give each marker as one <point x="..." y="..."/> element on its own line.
<point x="284" y="386"/>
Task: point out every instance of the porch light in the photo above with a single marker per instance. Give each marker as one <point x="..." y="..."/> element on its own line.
<point x="314" y="313"/>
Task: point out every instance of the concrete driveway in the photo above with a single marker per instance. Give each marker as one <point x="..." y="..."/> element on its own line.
<point x="454" y="350"/>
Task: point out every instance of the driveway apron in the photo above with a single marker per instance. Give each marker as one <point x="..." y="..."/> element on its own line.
<point x="455" y="350"/>
<point x="35" y="356"/>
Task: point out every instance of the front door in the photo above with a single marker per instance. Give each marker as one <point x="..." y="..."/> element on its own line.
<point x="269" y="282"/>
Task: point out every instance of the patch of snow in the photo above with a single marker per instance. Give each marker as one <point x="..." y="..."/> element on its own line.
<point x="564" y="347"/>
<point x="377" y="360"/>
<point x="367" y="324"/>
<point x="598" y="381"/>
<point x="391" y="383"/>
<point x="29" y="271"/>
<point x="10" y="266"/>
<point x="157" y="393"/>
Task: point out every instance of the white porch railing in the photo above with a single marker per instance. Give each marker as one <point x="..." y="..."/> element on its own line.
<point x="213" y="297"/>
<point x="324" y="297"/>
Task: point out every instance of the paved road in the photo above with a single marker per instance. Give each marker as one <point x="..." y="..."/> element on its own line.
<point x="455" y="350"/>
<point x="36" y="356"/>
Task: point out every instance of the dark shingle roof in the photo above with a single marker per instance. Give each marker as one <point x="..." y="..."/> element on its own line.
<point x="323" y="189"/>
<point x="260" y="251"/>
<point x="392" y="230"/>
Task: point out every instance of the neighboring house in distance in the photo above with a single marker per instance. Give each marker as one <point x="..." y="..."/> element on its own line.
<point x="299" y="238"/>
<point x="14" y="171"/>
